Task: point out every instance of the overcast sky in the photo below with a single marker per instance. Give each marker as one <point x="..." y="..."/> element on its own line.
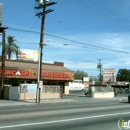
<point x="78" y="32"/>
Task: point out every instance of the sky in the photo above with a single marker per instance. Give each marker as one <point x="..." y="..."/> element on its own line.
<point x="77" y="32"/>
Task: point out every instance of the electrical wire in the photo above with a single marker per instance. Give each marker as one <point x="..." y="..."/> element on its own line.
<point x="88" y="47"/>
<point x="70" y="40"/>
<point x="109" y="16"/>
<point x="109" y="11"/>
<point x="88" y="44"/>
<point x="100" y="48"/>
<point x="29" y="30"/>
<point x="26" y="42"/>
<point x="61" y="55"/>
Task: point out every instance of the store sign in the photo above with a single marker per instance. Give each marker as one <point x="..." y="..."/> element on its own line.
<point x="55" y="75"/>
<point x="109" y="75"/>
<point x="26" y="54"/>
<point x="40" y="84"/>
<point x="16" y="72"/>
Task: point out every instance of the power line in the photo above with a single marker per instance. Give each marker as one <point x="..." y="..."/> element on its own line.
<point x="109" y="16"/>
<point x="61" y="22"/>
<point x="109" y="11"/>
<point x="83" y="46"/>
<point x="23" y="30"/>
<point x="61" y="55"/>
<point x="29" y="30"/>
<point x="94" y="46"/>
<point x="27" y="42"/>
<point x="87" y="44"/>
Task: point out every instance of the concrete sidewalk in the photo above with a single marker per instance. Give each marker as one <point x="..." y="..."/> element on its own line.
<point x="33" y="102"/>
<point x="66" y="99"/>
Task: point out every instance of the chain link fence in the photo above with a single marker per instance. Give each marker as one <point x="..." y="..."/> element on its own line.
<point x="44" y="89"/>
<point x="51" y="89"/>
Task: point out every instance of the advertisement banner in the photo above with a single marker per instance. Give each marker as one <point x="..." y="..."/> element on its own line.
<point x="109" y="75"/>
<point x="26" y="54"/>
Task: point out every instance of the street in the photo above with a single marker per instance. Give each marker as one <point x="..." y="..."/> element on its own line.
<point x="85" y="114"/>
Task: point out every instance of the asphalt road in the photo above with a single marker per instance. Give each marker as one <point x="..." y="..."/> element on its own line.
<point x="87" y="114"/>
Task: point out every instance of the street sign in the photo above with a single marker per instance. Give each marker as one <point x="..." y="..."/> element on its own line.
<point x="109" y="75"/>
<point x="40" y="84"/>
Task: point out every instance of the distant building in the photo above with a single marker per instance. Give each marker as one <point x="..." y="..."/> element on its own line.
<point x="76" y="85"/>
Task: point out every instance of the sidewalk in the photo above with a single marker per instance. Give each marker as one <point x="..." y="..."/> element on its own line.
<point x="87" y="99"/>
<point x="66" y="99"/>
<point x="33" y="102"/>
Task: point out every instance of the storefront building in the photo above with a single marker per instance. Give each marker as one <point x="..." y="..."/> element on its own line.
<point x="19" y="72"/>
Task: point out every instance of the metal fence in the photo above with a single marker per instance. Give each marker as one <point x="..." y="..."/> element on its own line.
<point x="44" y="89"/>
<point x="51" y="89"/>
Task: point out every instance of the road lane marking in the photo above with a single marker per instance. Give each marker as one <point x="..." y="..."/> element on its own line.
<point x="65" y="120"/>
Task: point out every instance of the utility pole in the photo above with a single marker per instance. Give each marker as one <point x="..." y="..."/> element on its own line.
<point x="42" y="4"/>
<point x="3" y="64"/>
<point x="2" y="30"/>
<point x="2" y="61"/>
<point x="99" y="66"/>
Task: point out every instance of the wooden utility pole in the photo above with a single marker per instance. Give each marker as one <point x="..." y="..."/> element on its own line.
<point x="3" y="64"/>
<point x="99" y="66"/>
<point x="2" y="61"/>
<point x="42" y="37"/>
<point x="3" y="54"/>
<point x="42" y="14"/>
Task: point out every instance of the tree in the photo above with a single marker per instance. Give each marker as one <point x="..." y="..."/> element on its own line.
<point x="80" y="74"/>
<point x="11" y="47"/>
<point x="123" y="75"/>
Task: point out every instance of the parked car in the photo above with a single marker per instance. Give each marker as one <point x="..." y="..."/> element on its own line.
<point x="126" y="90"/>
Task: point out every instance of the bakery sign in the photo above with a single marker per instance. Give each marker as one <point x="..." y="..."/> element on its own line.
<point x="16" y="72"/>
<point x="55" y="75"/>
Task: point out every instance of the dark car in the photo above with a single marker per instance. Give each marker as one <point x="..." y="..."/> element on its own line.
<point x="126" y="91"/>
<point x="129" y="98"/>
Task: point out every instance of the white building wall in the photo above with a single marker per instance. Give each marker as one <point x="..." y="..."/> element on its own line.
<point x="76" y="85"/>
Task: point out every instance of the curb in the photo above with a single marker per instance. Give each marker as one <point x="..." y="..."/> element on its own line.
<point x="27" y="103"/>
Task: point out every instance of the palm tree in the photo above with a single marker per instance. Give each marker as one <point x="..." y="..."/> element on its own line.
<point x="11" y="47"/>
